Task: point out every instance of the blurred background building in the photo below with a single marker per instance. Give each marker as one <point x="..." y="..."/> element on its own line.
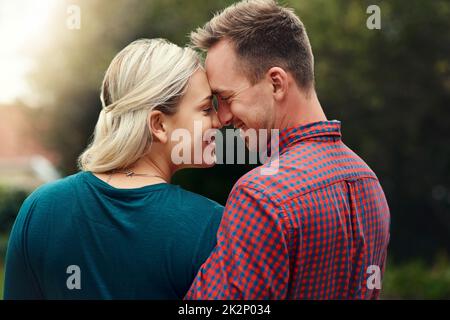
<point x="24" y="161"/>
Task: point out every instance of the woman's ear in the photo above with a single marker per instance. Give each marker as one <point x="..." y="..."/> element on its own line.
<point x="157" y="125"/>
<point x="279" y="80"/>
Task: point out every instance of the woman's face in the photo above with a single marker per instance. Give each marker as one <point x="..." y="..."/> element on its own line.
<point x="192" y="128"/>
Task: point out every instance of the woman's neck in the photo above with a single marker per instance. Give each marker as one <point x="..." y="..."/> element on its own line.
<point x="153" y="165"/>
<point x="146" y="171"/>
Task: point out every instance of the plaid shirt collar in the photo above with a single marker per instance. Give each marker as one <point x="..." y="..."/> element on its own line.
<point x="318" y="131"/>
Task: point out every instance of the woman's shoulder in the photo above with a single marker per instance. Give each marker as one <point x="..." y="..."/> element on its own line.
<point x="195" y="219"/>
<point x="44" y="200"/>
<point x="60" y="188"/>
<point x="190" y="211"/>
<point x="190" y="200"/>
<point x="51" y="197"/>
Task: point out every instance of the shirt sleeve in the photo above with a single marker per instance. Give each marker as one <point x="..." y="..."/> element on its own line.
<point x="251" y="259"/>
<point x="20" y="284"/>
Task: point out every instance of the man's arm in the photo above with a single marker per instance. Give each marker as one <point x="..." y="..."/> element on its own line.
<point x="251" y="259"/>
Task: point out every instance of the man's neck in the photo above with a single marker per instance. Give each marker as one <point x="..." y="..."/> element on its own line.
<point x="301" y="110"/>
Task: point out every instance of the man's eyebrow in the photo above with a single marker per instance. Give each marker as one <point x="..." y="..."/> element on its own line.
<point x="220" y="91"/>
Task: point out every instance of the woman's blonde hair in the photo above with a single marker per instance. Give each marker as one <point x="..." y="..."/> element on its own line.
<point x="148" y="74"/>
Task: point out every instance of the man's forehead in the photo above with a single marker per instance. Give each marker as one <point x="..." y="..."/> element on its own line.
<point x="223" y="50"/>
<point x="219" y="62"/>
<point x="220" y="67"/>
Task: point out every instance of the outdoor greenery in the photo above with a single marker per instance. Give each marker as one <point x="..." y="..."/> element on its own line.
<point x="10" y="201"/>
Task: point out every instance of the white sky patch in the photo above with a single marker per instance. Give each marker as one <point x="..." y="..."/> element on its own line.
<point x="22" y="23"/>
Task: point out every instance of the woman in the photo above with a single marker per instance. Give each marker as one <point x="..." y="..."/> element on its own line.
<point x="118" y="229"/>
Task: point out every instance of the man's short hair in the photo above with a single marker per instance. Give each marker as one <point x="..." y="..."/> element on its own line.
<point x="264" y="35"/>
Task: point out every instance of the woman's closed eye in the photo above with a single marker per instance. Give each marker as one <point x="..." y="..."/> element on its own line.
<point x="208" y="109"/>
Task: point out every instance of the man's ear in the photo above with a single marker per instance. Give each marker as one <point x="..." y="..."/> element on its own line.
<point x="157" y="124"/>
<point x="280" y="82"/>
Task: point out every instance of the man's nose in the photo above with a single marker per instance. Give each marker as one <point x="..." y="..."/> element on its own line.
<point x="224" y="114"/>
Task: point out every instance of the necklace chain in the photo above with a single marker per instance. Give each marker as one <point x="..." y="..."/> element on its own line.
<point x="130" y="173"/>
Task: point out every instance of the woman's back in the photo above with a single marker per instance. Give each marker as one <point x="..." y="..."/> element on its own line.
<point x="80" y="238"/>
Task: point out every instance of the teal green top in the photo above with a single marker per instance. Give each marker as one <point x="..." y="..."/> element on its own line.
<point x="80" y="238"/>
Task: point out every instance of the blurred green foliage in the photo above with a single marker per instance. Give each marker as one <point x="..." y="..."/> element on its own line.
<point x="416" y="280"/>
<point x="11" y="200"/>
<point x="3" y="245"/>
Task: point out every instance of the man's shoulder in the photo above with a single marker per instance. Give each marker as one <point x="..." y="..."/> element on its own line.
<point x="304" y="168"/>
<point x="262" y="182"/>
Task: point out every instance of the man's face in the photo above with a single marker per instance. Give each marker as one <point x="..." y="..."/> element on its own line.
<point x="241" y="104"/>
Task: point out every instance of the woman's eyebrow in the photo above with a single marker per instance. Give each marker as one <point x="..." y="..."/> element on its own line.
<point x="208" y="98"/>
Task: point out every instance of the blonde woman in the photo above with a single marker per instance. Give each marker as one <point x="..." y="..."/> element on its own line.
<point x="118" y="229"/>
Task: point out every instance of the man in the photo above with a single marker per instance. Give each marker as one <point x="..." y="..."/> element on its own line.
<point x="318" y="228"/>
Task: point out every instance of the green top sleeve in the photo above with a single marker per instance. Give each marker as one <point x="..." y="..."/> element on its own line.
<point x="20" y="282"/>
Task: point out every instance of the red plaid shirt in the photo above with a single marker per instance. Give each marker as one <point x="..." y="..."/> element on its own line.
<point x="317" y="229"/>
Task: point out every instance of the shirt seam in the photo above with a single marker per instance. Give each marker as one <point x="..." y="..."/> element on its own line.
<point x="326" y="186"/>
